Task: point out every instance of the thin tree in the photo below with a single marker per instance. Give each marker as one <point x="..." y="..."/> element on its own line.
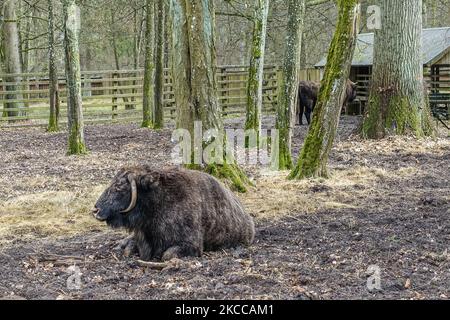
<point x="53" y="122"/>
<point x="149" y="68"/>
<point x="256" y="68"/>
<point x="194" y="79"/>
<point x="114" y="37"/>
<point x="73" y="76"/>
<point x="397" y="100"/>
<point x="313" y="158"/>
<point x="12" y="60"/>
<point x="287" y="98"/>
<point x="158" y="111"/>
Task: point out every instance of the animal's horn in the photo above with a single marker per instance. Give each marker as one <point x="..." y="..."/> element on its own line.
<point x="133" y="195"/>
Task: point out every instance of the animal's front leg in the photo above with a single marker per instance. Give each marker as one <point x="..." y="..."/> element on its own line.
<point x="127" y="246"/>
<point x="143" y="246"/>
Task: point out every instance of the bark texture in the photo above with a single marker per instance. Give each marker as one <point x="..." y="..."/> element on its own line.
<point x="287" y="97"/>
<point x="12" y="59"/>
<point x="149" y="68"/>
<point x="194" y="78"/>
<point x="73" y="75"/>
<point x="313" y="158"/>
<point x="256" y="68"/>
<point x="397" y="100"/>
<point x="158" y="111"/>
<point x="53" y="123"/>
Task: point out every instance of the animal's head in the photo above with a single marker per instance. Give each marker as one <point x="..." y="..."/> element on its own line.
<point x="351" y="90"/>
<point x="119" y="203"/>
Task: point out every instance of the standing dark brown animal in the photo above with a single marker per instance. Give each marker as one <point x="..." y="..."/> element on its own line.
<point x="308" y="92"/>
<point x="174" y="212"/>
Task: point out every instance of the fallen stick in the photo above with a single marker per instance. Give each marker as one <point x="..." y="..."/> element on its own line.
<point x="153" y="265"/>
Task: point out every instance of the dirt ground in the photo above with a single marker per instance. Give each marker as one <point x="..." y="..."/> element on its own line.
<point x="385" y="209"/>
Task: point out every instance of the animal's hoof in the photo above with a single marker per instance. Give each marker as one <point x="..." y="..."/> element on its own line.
<point x="171" y="253"/>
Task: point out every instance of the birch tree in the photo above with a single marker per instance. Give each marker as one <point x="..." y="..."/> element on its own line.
<point x="313" y="158"/>
<point x="256" y="68"/>
<point x="287" y="99"/>
<point x="149" y="68"/>
<point x="73" y="75"/>
<point x="194" y="80"/>
<point x="397" y="100"/>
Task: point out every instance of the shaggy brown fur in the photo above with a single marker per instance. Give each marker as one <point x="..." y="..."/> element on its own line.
<point x="308" y="92"/>
<point x="178" y="212"/>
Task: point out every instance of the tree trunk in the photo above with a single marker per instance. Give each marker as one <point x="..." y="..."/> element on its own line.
<point x="397" y="100"/>
<point x="53" y="123"/>
<point x="12" y="60"/>
<point x="117" y="57"/>
<point x="158" y="112"/>
<point x="73" y="76"/>
<point x="25" y="50"/>
<point x="313" y="158"/>
<point x="148" y="91"/>
<point x="194" y="79"/>
<point x="256" y="68"/>
<point x="287" y="98"/>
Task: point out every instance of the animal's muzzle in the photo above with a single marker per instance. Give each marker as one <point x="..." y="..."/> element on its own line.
<point x="96" y="214"/>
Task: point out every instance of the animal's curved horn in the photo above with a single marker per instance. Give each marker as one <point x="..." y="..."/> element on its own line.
<point x="133" y="195"/>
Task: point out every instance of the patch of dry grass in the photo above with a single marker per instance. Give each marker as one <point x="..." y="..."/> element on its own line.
<point x="53" y="213"/>
<point x="275" y="196"/>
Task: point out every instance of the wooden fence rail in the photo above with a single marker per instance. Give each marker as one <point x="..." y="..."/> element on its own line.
<point x="437" y="80"/>
<point x="116" y="95"/>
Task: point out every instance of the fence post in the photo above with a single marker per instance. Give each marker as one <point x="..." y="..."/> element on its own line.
<point x="279" y="82"/>
<point x="114" y="98"/>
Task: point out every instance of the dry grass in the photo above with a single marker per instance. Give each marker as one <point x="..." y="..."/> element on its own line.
<point x="53" y="213"/>
<point x="275" y="196"/>
<point x="67" y="213"/>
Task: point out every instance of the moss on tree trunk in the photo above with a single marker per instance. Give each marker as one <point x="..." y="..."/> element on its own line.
<point x="158" y="111"/>
<point x="12" y="59"/>
<point x="73" y="75"/>
<point x="287" y="97"/>
<point x="53" y="122"/>
<point x="397" y="102"/>
<point x="256" y="68"/>
<point x="313" y="158"/>
<point x="149" y="68"/>
<point x="194" y="80"/>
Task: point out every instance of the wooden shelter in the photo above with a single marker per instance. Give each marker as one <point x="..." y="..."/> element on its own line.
<point x="436" y="62"/>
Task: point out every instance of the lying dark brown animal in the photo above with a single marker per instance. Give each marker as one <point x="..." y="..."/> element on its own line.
<point x="308" y="92"/>
<point x="174" y="212"/>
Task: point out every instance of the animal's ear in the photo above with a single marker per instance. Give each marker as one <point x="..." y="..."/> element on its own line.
<point x="121" y="173"/>
<point x="149" y="180"/>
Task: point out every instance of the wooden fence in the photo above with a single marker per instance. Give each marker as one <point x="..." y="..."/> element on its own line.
<point x="116" y="96"/>
<point x="437" y="79"/>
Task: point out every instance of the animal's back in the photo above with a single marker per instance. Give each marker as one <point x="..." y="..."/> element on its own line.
<point x="224" y="222"/>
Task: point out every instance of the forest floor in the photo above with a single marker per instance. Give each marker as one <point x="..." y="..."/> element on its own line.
<point x="386" y="208"/>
